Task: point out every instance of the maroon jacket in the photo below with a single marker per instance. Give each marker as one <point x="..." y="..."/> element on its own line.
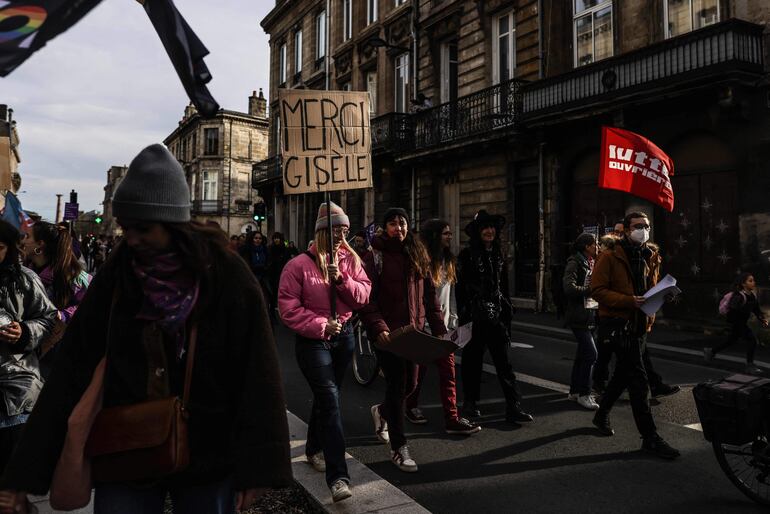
<point x="399" y="297"/>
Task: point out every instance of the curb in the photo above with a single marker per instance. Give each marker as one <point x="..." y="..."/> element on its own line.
<point x="371" y="493"/>
<point x="684" y="354"/>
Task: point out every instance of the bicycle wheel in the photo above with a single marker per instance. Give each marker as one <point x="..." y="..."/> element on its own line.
<point x="365" y="364"/>
<point x="747" y="466"/>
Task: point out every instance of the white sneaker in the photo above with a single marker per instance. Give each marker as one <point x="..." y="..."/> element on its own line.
<point x="588" y="402"/>
<point x="340" y="491"/>
<point x="380" y="425"/>
<point x="317" y="462"/>
<point x="403" y="460"/>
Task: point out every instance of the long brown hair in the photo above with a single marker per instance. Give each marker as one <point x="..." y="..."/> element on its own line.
<point x="60" y="258"/>
<point x="321" y="244"/>
<point x="441" y="258"/>
<point x="418" y="255"/>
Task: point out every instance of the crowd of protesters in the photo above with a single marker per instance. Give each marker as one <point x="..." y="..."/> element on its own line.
<point x="111" y="323"/>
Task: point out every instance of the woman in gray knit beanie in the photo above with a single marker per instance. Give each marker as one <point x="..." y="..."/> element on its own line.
<point x="169" y="278"/>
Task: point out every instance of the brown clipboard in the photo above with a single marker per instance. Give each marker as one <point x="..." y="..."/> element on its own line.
<point x="417" y="346"/>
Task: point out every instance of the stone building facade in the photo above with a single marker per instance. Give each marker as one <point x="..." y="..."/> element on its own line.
<point x="109" y="225"/>
<point x="217" y="155"/>
<point x="10" y="180"/>
<point x="517" y="92"/>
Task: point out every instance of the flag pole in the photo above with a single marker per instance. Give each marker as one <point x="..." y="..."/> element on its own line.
<point x="332" y="291"/>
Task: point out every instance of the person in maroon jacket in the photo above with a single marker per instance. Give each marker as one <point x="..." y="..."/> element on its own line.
<point x="403" y="294"/>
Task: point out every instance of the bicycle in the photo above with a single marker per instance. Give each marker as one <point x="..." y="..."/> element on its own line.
<point x="366" y="367"/>
<point x="735" y="416"/>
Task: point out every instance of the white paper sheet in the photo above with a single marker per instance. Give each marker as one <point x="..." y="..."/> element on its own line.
<point x="656" y="296"/>
<point x="461" y="335"/>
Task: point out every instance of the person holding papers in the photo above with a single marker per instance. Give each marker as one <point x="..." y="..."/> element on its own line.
<point x="403" y="295"/>
<point x="437" y="237"/>
<point x="619" y="281"/>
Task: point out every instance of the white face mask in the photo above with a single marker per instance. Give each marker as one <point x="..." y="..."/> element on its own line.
<point x="640" y="235"/>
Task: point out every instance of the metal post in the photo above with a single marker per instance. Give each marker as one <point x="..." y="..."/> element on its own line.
<point x="332" y="290"/>
<point x="541" y="231"/>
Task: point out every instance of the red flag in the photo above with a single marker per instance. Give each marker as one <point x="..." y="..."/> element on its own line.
<point x="634" y="164"/>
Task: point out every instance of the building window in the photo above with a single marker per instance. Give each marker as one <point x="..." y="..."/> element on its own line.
<point x="209" y="185"/>
<point x="504" y="50"/>
<point x="320" y="35"/>
<point x="298" y="52"/>
<point x="371" y="11"/>
<point x="449" y="72"/>
<point x="684" y="16"/>
<point x="282" y="64"/>
<point x="212" y="141"/>
<point x="347" y="19"/>
<point x="592" y="31"/>
<point x="371" y="88"/>
<point x="402" y="83"/>
<point x="194" y="145"/>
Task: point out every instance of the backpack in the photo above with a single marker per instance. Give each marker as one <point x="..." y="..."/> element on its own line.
<point x="724" y="304"/>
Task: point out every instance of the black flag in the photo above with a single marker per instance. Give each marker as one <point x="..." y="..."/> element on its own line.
<point x="186" y="52"/>
<point x="27" y="25"/>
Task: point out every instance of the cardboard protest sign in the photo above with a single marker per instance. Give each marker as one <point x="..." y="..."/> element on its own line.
<point x="7" y="163"/>
<point x="325" y="140"/>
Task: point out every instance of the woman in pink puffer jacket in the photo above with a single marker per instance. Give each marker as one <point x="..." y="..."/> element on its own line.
<point x="324" y="345"/>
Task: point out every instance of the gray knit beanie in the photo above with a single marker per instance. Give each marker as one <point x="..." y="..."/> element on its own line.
<point x="338" y="217"/>
<point x="154" y="189"/>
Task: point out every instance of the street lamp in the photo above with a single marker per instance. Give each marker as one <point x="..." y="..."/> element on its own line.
<point x="378" y="42"/>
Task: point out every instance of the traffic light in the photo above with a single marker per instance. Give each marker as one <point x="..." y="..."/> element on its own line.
<point x="260" y="211"/>
<point x="97" y="219"/>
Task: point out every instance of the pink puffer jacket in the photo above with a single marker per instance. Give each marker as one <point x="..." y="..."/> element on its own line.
<point x="303" y="297"/>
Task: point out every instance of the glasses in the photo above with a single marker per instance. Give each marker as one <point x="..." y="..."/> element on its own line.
<point x="340" y="231"/>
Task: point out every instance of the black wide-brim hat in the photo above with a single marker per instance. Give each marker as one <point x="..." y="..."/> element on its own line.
<point x="483" y="219"/>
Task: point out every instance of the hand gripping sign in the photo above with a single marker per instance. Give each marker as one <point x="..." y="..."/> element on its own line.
<point x="325" y="140"/>
<point x="634" y="164"/>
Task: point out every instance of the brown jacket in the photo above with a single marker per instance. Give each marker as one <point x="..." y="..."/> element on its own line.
<point x="612" y="285"/>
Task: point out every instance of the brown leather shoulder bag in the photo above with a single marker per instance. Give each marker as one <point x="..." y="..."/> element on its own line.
<point x="143" y="441"/>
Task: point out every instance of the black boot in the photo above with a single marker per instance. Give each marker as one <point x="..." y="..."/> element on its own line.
<point x="514" y="414"/>
<point x="470" y="410"/>
<point x="602" y="422"/>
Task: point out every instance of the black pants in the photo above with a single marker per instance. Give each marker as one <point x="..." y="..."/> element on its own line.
<point x="630" y="373"/>
<point x="738" y="331"/>
<point x="494" y="337"/>
<point x="605" y="350"/>
<point x="400" y="380"/>
<point x="9" y="437"/>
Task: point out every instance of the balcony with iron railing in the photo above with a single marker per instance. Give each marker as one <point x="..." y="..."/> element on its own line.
<point x="732" y="46"/>
<point x="480" y="114"/>
<point x="208" y="207"/>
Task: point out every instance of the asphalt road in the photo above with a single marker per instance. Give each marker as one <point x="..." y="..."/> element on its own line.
<point x="557" y="464"/>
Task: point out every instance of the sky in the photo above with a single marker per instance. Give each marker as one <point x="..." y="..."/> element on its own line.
<point x="97" y="94"/>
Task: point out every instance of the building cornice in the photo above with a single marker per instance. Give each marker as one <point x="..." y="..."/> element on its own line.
<point x="223" y="114"/>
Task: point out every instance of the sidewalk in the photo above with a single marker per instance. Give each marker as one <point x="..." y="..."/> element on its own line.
<point x="676" y="343"/>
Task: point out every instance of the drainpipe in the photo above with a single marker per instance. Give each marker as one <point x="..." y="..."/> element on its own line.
<point x="230" y="177"/>
<point x="415" y="90"/>
<point x="540" y="38"/>
<point x="541" y="231"/>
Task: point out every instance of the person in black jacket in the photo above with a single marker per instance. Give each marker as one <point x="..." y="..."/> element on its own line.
<point x="167" y="276"/>
<point x="482" y="297"/>
<point x="743" y="303"/>
<point x="581" y="317"/>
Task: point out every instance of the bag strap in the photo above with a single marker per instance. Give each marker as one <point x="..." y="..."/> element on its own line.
<point x="190" y="363"/>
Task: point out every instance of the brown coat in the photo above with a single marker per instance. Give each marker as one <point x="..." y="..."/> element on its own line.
<point x="612" y="285"/>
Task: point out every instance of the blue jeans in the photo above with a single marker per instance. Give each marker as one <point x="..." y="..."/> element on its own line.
<point x="324" y="364"/>
<point x="585" y="358"/>
<point x="215" y="498"/>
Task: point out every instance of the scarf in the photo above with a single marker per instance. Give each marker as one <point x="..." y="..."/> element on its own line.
<point x="170" y="293"/>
